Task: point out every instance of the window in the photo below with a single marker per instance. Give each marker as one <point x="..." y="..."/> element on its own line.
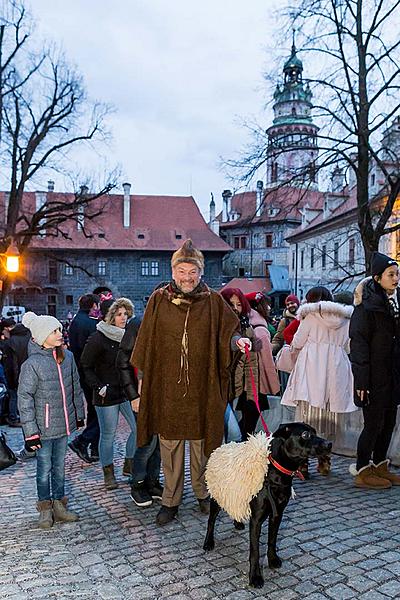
<point x="178" y="236"/>
<point x="101" y="267"/>
<point x="102" y="235"/>
<point x="154" y="267"/>
<point x="69" y="270"/>
<point x="312" y="258"/>
<point x="69" y="299"/>
<point x="140" y="236"/>
<point x="274" y="172"/>
<point x="336" y="254"/>
<point x="52" y="305"/>
<point x="373" y="179"/>
<point x="53" y="271"/>
<point x="241" y="271"/>
<point x="293" y="260"/>
<point x="269" y="239"/>
<point x="240" y="242"/>
<point x="324" y="257"/>
<point x="352" y="248"/>
<point x="302" y="260"/>
<point x="144" y="268"/>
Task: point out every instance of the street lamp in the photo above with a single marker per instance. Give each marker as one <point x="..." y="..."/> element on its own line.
<point x="12" y="258"/>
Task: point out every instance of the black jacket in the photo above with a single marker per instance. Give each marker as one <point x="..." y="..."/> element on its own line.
<point x="82" y="326"/>
<point x="16" y="353"/>
<point x="126" y="373"/>
<point x="98" y="364"/>
<point x="375" y="346"/>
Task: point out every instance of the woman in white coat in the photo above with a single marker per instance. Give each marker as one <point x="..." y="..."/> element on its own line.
<point x="322" y="374"/>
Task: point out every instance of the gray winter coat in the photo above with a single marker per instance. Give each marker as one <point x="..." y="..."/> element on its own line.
<point x="50" y="399"/>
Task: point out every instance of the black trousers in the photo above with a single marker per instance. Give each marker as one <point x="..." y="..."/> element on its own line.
<point x="374" y="440"/>
<point x="91" y="434"/>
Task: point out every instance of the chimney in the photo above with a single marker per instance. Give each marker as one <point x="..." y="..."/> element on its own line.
<point x="50" y="185"/>
<point x="259" y="198"/>
<point x="212" y="209"/>
<point x="127" y="204"/>
<point x="226" y="200"/>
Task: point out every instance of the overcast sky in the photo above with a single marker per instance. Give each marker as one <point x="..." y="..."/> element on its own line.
<point x="179" y="73"/>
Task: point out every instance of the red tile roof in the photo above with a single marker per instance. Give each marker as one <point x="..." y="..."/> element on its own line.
<point x="158" y="220"/>
<point x="289" y="201"/>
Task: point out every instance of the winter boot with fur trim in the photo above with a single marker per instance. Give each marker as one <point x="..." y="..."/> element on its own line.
<point x="44" y="508"/>
<point x="109" y="478"/>
<point x="366" y="478"/>
<point x="382" y="470"/>
<point x="60" y="512"/>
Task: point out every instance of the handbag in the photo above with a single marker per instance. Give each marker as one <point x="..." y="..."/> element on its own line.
<point x="285" y="359"/>
<point x="7" y="456"/>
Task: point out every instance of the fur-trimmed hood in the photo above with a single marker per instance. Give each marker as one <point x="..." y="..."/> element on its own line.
<point x="358" y="292"/>
<point x="332" y="314"/>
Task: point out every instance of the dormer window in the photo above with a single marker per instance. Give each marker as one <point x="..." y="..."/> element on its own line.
<point x="178" y="236"/>
<point x="140" y="236"/>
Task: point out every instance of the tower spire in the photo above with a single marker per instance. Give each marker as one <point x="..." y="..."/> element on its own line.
<point x="293" y="42"/>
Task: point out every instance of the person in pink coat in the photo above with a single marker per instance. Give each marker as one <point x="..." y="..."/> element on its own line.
<point x="268" y="376"/>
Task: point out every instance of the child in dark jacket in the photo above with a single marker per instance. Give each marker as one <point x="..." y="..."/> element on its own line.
<point x="50" y="403"/>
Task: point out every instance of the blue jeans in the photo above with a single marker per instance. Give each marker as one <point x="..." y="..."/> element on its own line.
<point x="50" y="468"/>
<point x="147" y="462"/>
<point x="232" y="431"/>
<point x="108" y="421"/>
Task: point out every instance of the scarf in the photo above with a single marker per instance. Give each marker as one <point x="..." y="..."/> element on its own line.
<point x="110" y="331"/>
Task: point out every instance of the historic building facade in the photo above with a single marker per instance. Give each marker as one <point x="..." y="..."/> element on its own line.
<point x="128" y="248"/>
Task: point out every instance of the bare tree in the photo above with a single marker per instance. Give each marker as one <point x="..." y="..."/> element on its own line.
<point x="45" y="113"/>
<point x="356" y="44"/>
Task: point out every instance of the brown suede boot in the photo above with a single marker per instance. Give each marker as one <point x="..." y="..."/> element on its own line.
<point x="382" y="470"/>
<point x="324" y="465"/>
<point x="45" y="514"/>
<point x="61" y="513"/>
<point x="127" y="468"/>
<point x="366" y="478"/>
<point x="109" y="478"/>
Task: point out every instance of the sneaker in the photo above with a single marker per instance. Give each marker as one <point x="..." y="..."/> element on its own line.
<point x="140" y="495"/>
<point x="155" y="489"/>
<point x="204" y="505"/>
<point x="80" y="450"/>
<point x="24" y="454"/>
<point x="166" y="514"/>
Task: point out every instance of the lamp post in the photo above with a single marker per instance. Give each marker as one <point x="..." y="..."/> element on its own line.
<point x="11" y="263"/>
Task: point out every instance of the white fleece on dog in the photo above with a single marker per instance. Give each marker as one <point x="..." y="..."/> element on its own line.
<point x="235" y="473"/>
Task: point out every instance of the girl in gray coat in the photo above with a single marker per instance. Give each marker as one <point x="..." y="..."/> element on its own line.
<point x="50" y="403"/>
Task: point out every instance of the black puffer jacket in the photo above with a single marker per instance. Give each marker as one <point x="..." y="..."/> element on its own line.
<point x="16" y="353"/>
<point x="375" y="345"/>
<point x="98" y="364"/>
<point x="123" y="363"/>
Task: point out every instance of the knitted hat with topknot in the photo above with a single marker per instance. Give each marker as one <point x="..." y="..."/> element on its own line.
<point x="40" y="326"/>
<point x="187" y="253"/>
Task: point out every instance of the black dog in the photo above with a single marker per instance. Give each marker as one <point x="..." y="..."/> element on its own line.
<point x="291" y="445"/>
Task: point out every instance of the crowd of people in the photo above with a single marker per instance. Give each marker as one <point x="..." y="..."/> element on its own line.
<point x="198" y="368"/>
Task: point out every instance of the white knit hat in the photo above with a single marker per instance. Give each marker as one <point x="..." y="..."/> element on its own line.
<point x="40" y="325"/>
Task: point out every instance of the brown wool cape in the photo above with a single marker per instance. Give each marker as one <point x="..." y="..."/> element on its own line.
<point x="176" y="402"/>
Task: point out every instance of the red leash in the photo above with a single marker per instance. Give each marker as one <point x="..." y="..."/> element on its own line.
<point x="254" y="390"/>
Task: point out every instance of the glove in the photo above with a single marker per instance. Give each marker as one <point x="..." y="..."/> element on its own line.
<point x="33" y="442"/>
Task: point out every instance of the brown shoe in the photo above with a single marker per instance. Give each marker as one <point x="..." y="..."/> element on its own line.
<point x="44" y="508"/>
<point x="366" y="478"/>
<point x="324" y="465"/>
<point x="382" y="470"/>
<point x="61" y="513"/>
<point x="109" y="478"/>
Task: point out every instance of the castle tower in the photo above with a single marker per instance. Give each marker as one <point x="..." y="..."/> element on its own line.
<point x="292" y="138"/>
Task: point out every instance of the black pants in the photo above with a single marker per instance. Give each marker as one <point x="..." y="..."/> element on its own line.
<point x="250" y="416"/>
<point x="90" y="435"/>
<point x="374" y="440"/>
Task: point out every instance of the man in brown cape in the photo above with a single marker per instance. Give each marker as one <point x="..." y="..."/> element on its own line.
<point x="183" y="353"/>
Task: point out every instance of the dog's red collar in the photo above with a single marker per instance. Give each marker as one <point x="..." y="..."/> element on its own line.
<point x="297" y="473"/>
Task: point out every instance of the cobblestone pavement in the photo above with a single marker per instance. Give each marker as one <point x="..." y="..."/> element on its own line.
<point x="337" y="542"/>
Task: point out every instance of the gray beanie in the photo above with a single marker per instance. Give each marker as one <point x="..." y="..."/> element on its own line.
<point x="40" y="326"/>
